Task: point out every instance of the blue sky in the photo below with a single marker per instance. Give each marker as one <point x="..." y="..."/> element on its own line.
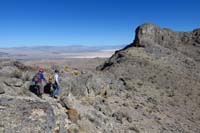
<point x="89" y="22"/>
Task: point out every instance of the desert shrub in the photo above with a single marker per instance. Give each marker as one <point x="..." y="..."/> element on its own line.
<point x="26" y="77"/>
<point x="73" y="115"/>
<point x="62" y="71"/>
<point x="35" y="67"/>
<point x="54" y="67"/>
<point x="16" y="74"/>
<point x="75" y="72"/>
<point x="139" y="83"/>
<point x="47" y="69"/>
<point x="66" y="69"/>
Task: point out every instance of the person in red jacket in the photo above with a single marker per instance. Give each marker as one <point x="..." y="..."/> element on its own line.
<point x="41" y="80"/>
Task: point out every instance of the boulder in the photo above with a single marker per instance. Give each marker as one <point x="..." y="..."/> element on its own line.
<point x="26" y="115"/>
<point x="7" y="71"/>
<point x="87" y="84"/>
<point x="15" y="82"/>
<point x="67" y="101"/>
<point x="21" y="66"/>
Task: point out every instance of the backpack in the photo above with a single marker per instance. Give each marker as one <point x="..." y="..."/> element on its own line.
<point x="51" y="78"/>
<point x="36" y="78"/>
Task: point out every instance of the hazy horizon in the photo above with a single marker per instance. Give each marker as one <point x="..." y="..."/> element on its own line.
<point x="99" y="47"/>
<point x="89" y="22"/>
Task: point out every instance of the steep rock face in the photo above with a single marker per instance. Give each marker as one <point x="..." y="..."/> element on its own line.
<point x="148" y="35"/>
<point x="162" y="66"/>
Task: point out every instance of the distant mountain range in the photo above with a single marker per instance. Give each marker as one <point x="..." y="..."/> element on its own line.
<point x="33" y="52"/>
<point x="69" y="48"/>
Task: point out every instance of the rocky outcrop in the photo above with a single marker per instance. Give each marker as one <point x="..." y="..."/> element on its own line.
<point x="21" y="66"/>
<point x="149" y="35"/>
<point x="13" y="68"/>
<point x="25" y="115"/>
<point x="14" y="82"/>
<point x="90" y="84"/>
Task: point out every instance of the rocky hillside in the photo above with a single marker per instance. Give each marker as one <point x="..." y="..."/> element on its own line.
<point x="152" y="85"/>
<point x="161" y="69"/>
<point x="81" y="106"/>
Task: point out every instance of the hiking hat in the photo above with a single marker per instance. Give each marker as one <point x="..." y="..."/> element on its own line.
<point x="41" y="69"/>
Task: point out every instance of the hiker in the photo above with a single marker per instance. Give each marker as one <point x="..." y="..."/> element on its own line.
<point x="56" y="84"/>
<point x="51" y="83"/>
<point x="38" y="82"/>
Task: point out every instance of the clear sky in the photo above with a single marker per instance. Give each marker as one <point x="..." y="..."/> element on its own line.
<point x="89" y="22"/>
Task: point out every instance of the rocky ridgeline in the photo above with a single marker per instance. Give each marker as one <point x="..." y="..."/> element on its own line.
<point x="162" y="66"/>
<point x="152" y="85"/>
<point x="188" y="43"/>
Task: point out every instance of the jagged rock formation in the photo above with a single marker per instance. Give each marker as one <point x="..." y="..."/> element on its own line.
<point x="187" y="43"/>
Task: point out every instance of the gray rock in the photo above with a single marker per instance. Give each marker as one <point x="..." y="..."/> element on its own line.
<point x="148" y="35"/>
<point x="21" y="66"/>
<point x="7" y="71"/>
<point x="13" y="82"/>
<point x="67" y="102"/>
<point x="2" y="91"/>
<point x="87" y="84"/>
<point x="21" y="115"/>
